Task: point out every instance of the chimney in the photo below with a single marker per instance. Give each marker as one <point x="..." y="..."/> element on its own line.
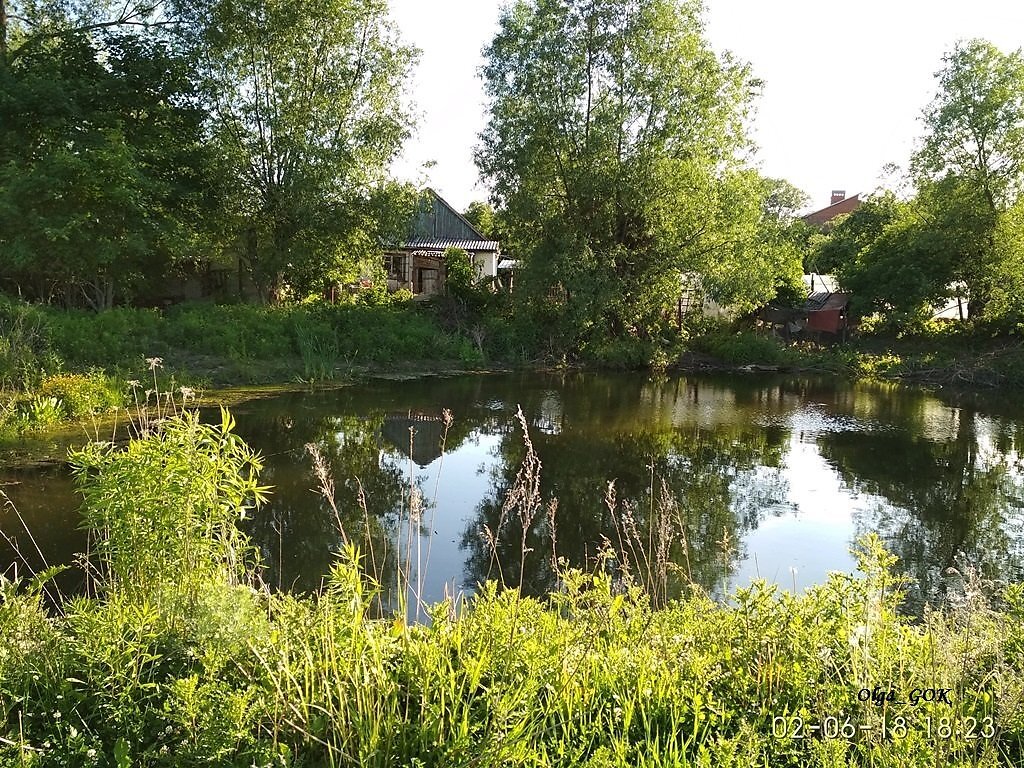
<point x="838" y="195"/>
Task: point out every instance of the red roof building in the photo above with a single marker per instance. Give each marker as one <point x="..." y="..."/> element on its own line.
<point x="840" y="204"/>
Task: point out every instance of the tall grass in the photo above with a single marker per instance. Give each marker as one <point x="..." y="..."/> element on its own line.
<point x="58" y="365"/>
<point x="185" y="658"/>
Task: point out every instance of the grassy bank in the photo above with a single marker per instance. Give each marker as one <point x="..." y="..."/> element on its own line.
<point x="969" y="359"/>
<point x="60" y="365"/>
<point x="181" y="657"/>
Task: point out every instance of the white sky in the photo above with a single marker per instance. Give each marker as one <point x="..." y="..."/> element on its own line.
<point x="844" y="83"/>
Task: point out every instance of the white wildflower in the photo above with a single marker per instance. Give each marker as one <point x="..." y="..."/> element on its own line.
<point x="860" y="635"/>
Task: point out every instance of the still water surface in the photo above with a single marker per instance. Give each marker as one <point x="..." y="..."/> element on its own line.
<point x="766" y="477"/>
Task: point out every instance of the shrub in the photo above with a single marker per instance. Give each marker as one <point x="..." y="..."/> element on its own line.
<point x="23" y="349"/>
<point x="743" y="348"/>
<point x="119" y="337"/>
<point x="82" y="395"/>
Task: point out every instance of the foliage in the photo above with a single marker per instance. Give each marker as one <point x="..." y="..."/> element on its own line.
<point x="975" y="124"/>
<point x="82" y="396"/>
<point x="306" y="99"/>
<point x="177" y="664"/>
<point x="482" y="216"/>
<point x="611" y="144"/>
<point x="22" y="344"/>
<point x="459" y="275"/>
<point x="1005" y="276"/>
<point x="890" y="256"/>
<point x="179" y="537"/>
<point x="971" y="163"/>
<point x="91" y="117"/>
<point x="958" y="235"/>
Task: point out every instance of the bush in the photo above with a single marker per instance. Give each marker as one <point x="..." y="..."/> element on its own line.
<point x="627" y="354"/>
<point x="743" y="348"/>
<point x="24" y="352"/>
<point x="82" y="396"/>
<point x="118" y="338"/>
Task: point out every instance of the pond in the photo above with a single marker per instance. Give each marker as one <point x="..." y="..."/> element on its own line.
<point x="715" y="480"/>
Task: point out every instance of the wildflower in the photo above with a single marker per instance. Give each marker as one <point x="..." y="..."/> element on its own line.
<point x="155" y="362"/>
<point x="860" y="634"/>
<point x="134" y="384"/>
<point x="415" y="504"/>
<point x="56" y="715"/>
<point x="187" y="393"/>
<point x="90" y="753"/>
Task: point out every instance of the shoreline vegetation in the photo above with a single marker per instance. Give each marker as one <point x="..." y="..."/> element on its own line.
<point x="60" y="367"/>
<point x="178" y="654"/>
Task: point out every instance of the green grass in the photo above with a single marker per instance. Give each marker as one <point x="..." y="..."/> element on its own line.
<point x="58" y="365"/>
<point x="941" y="354"/>
<point x="182" y="658"/>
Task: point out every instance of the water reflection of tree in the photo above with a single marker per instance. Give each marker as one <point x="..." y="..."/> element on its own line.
<point x="699" y="469"/>
<point x="297" y="531"/>
<point x="947" y="495"/>
<point x="367" y="456"/>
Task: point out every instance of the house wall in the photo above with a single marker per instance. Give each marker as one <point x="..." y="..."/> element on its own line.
<point x="486" y="264"/>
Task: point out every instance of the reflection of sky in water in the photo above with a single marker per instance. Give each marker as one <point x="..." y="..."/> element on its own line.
<point x="811" y="533"/>
<point x="453" y="486"/>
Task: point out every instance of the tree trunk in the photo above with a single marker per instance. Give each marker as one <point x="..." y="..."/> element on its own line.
<point x="3" y="32"/>
<point x="251" y="259"/>
<point x="99" y="294"/>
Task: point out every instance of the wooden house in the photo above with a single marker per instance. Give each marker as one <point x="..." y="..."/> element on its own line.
<point x="418" y="263"/>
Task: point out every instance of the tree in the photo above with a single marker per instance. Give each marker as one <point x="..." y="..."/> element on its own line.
<point x="306" y="98"/>
<point x="103" y="174"/>
<point x="612" y="144"/>
<point x="27" y="26"/>
<point x="970" y="166"/>
<point x="481" y="215"/>
<point x="890" y="255"/>
<point x="975" y="123"/>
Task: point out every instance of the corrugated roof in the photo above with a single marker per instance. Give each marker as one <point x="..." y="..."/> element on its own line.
<point x="425" y="244"/>
<point x="820" y="300"/>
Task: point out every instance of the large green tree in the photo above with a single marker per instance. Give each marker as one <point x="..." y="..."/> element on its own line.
<point x="306" y="97"/>
<point x="969" y="169"/>
<point x="26" y="26"/>
<point x="612" y="144"/>
<point x="103" y="172"/>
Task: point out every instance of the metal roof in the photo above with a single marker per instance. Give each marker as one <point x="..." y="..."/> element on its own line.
<point x="426" y="244"/>
<point x="820" y="300"/>
<point x="437" y="219"/>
